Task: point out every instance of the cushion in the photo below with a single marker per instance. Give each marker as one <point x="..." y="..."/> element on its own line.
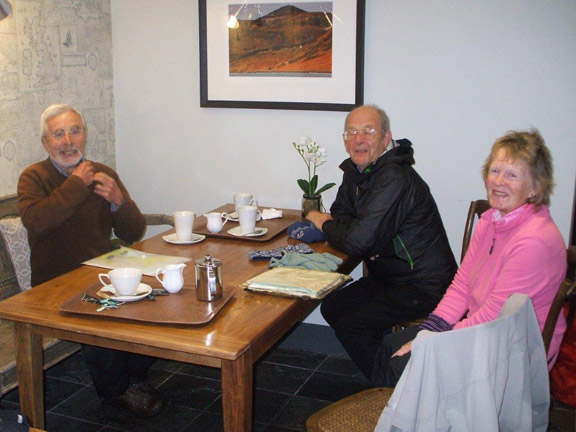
<point x="16" y="239"/>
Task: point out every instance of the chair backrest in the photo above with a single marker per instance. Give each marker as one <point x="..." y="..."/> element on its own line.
<point x="9" y="282"/>
<point x="475" y="211"/>
<point x="566" y="291"/>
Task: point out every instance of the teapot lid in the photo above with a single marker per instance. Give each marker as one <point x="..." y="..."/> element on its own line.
<point x="208" y="261"/>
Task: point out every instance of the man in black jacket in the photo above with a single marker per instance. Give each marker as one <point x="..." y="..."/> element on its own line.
<point x="383" y="212"/>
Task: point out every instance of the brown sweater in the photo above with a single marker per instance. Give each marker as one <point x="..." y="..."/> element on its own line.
<point x="67" y="222"/>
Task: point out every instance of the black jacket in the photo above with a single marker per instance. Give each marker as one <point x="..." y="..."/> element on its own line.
<point x="387" y="216"/>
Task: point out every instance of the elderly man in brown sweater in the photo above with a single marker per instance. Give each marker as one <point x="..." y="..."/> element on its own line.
<point x="70" y="205"/>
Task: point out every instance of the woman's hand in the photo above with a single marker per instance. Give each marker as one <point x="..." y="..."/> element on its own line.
<point x="404" y="349"/>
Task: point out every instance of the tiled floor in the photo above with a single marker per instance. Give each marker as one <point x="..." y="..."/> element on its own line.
<point x="290" y="386"/>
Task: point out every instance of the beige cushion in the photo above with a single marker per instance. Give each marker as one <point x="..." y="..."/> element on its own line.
<point x="16" y="239"/>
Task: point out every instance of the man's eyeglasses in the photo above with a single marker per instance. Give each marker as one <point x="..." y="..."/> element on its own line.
<point x="353" y="133"/>
<point x="73" y="133"/>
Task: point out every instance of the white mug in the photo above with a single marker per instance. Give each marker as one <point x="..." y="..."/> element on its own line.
<point x="248" y="215"/>
<point x="184" y="222"/>
<point x="124" y="280"/>
<point x="215" y="221"/>
<point x="243" y="199"/>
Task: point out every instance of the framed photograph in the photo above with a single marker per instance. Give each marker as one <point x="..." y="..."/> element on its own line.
<point x="282" y="54"/>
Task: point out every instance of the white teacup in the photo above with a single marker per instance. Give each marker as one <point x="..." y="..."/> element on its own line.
<point x="184" y="222"/>
<point x="248" y="215"/>
<point x="125" y="280"/>
<point x="243" y="199"/>
<point x="215" y="221"/>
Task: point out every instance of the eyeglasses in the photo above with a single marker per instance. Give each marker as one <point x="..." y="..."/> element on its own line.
<point x="353" y="133"/>
<point x="73" y="133"/>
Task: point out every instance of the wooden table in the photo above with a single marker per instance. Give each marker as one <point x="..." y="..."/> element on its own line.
<point x="248" y="326"/>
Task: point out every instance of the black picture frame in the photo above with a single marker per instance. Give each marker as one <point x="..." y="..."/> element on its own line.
<point x="316" y="93"/>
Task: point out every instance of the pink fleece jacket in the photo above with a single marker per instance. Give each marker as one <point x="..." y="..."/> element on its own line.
<point x="522" y="252"/>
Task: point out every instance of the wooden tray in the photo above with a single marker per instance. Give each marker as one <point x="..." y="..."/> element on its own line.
<point x="275" y="226"/>
<point x="180" y="308"/>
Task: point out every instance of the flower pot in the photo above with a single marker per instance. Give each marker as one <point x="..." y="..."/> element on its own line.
<point x="311" y="203"/>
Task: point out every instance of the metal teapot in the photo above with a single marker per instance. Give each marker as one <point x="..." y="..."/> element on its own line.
<point x="208" y="279"/>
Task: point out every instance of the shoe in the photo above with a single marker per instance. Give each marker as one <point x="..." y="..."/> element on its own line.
<point x="140" y="399"/>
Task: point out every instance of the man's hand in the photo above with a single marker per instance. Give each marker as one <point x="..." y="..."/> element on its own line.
<point x="107" y="188"/>
<point x="318" y="218"/>
<point x="85" y="171"/>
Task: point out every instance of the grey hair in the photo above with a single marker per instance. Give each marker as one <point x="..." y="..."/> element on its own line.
<point x="383" y="116"/>
<point x="54" y="111"/>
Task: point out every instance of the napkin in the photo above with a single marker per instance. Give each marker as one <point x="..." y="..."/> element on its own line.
<point x="271" y="213"/>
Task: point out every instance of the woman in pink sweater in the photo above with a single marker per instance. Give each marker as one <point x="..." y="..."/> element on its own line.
<point x="516" y="248"/>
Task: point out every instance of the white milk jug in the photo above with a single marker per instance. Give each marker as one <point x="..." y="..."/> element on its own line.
<point x="173" y="280"/>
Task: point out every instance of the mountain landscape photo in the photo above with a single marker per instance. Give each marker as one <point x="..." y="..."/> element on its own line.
<point x="288" y="41"/>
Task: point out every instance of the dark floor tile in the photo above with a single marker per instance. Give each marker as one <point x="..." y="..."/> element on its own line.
<point x="57" y="391"/>
<point x="206" y="422"/>
<point x="86" y="405"/>
<point x="297" y="411"/>
<point x="279" y="378"/>
<point x="173" y="418"/>
<point x="201" y="371"/>
<point x="168" y="365"/>
<point x="72" y="369"/>
<point x="331" y="387"/>
<point x="266" y="406"/>
<point x="296" y="358"/>
<point x="60" y="423"/>
<point x="341" y="365"/>
<point x="190" y="391"/>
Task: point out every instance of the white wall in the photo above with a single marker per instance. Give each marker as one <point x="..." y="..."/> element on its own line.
<point x="453" y="76"/>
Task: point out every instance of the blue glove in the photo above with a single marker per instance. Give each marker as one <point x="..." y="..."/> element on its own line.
<point x="306" y="232"/>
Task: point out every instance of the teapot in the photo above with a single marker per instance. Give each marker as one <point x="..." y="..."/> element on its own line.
<point x="173" y="280"/>
<point x="208" y="279"/>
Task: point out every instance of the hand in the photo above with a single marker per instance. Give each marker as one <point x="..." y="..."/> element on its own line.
<point x="108" y="189"/>
<point x="85" y="171"/>
<point x="318" y="218"/>
<point x="404" y="349"/>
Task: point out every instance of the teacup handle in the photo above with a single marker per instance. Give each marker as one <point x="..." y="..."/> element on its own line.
<point x="254" y="203"/>
<point x="225" y="217"/>
<point x="101" y="275"/>
<point x="258" y="215"/>
<point x="157" y="276"/>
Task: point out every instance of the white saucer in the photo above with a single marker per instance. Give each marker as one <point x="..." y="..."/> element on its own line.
<point x="143" y="291"/>
<point x="257" y="232"/>
<point x="233" y="217"/>
<point x="173" y="238"/>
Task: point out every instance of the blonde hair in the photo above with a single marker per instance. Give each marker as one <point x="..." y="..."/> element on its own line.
<point x="530" y="148"/>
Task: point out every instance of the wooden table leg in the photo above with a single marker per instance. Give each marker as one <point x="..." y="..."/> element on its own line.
<point x="237" y="393"/>
<point x="29" y="363"/>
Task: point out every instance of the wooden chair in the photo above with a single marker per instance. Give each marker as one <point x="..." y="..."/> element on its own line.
<point x="474" y="211"/>
<point x="360" y="412"/>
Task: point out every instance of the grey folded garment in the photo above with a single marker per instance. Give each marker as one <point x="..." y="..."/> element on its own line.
<point x="262" y="255"/>
<point x="313" y="261"/>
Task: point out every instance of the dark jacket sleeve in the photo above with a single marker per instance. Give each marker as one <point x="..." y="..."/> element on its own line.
<point x="381" y="212"/>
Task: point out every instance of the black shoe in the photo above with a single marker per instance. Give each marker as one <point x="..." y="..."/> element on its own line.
<point x="140" y="399"/>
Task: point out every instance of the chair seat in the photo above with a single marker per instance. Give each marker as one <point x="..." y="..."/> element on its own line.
<point x="356" y="413"/>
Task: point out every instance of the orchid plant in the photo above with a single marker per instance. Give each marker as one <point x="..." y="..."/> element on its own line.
<point x="313" y="156"/>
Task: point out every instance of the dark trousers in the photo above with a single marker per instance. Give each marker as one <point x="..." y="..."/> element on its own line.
<point x="388" y="369"/>
<point x="362" y="312"/>
<point x="113" y="371"/>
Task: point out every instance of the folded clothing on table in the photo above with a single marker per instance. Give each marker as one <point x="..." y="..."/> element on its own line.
<point x="313" y="261"/>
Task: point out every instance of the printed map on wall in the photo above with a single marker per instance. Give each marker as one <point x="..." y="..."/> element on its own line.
<point x="54" y="51"/>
